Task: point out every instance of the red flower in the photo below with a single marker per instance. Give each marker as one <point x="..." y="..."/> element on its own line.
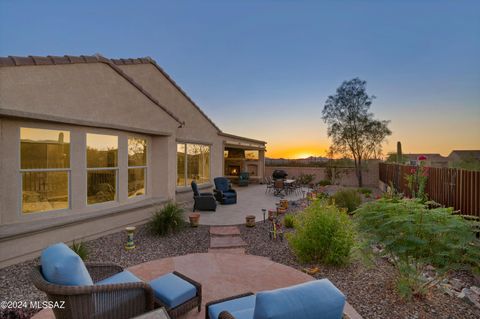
<point x="412" y="171"/>
<point x="422" y="158"/>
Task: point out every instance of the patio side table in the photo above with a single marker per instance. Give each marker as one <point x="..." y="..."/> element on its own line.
<point x="159" y="313"/>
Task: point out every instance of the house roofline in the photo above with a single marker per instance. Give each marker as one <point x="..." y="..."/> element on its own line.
<point x="68" y="59"/>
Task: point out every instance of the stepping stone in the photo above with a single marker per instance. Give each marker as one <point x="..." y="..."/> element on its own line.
<point x="227" y="242"/>
<point x="237" y="251"/>
<point x="224" y="231"/>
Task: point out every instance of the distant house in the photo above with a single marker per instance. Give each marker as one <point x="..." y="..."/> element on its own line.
<point x="464" y="155"/>
<point x="435" y="159"/>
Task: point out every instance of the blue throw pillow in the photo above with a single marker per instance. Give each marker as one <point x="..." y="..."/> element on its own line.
<point x="62" y="266"/>
<point x="318" y="299"/>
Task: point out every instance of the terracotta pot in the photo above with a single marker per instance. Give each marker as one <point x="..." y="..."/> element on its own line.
<point x="271" y="214"/>
<point x="250" y="221"/>
<point x="194" y="219"/>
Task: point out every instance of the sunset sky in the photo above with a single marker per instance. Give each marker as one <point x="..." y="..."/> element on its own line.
<point x="264" y="68"/>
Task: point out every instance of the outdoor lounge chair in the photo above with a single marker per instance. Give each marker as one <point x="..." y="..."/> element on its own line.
<point x="243" y="179"/>
<point x="203" y="201"/>
<point x="223" y="191"/>
<point x="103" y="290"/>
<point x="317" y="299"/>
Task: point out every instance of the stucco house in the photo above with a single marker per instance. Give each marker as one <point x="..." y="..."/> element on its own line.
<point x="89" y="145"/>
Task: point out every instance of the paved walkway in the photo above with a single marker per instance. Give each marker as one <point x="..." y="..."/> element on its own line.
<point x="222" y="275"/>
<point x="250" y="201"/>
<point x="226" y="239"/>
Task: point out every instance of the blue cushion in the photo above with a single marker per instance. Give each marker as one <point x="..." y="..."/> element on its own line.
<point x="311" y="300"/>
<point x="229" y="194"/>
<point x="119" y="278"/>
<point x="221" y="183"/>
<point x="241" y="308"/>
<point x="173" y="290"/>
<point x="62" y="266"/>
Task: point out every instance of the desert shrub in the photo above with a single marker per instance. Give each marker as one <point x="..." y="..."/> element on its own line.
<point x="80" y="249"/>
<point x="166" y="220"/>
<point x="413" y="237"/>
<point x="365" y="191"/>
<point x="324" y="182"/>
<point x="323" y="234"/>
<point x="289" y="221"/>
<point x="305" y="179"/>
<point x="348" y="199"/>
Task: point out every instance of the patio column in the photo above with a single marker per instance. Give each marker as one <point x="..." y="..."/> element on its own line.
<point x="261" y="164"/>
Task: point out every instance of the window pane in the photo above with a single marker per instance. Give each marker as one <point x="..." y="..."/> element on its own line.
<point x="136" y="182"/>
<point x="41" y="148"/>
<point x="44" y="191"/>
<point x="180" y="164"/>
<point x="251" y="155"/>
<point x="102" y="150"/>
<point x="101" y="186"/>
<point x="137" y="152"/>
<point x="198" y="163"/>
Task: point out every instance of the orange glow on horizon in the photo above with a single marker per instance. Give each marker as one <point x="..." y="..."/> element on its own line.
<point x="275" y="150"/>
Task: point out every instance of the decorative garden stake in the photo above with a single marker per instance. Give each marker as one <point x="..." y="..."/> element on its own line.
<point x="264" y="211"/>
<point x="130" y="230"/>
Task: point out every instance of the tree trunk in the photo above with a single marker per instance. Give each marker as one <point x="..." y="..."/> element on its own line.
<point x="359" y="173"/>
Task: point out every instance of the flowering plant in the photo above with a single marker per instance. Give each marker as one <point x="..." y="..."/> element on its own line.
<point x="417" y="179"/>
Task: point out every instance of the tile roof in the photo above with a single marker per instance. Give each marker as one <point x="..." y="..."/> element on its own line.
<point x="68" y="59"/>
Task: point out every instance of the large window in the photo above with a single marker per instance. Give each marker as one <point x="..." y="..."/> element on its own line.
<point x="193" y="164"/>
<point x="102" y="167"/>
<point x="45" y="169"/>
<point x="137" y="166"/>
<point x="251" y="155"/>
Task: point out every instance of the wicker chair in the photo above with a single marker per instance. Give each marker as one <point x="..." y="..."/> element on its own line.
<point x="97" y="301"/>
<point x="125" y="300"/>
<point x="225" y="314"/>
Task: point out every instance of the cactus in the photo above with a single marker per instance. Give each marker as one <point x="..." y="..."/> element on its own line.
<point x="399" y="153"/>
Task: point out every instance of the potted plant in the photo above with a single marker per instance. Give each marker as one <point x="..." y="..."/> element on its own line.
<point x="250" y="221"/>
<point x="194" y="219"/>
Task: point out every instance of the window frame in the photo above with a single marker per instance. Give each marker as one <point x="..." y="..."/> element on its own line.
<point x="185" y="168"/>
<point x="43" y="170"/>
<point x="116" y="169"/>
<point x="145" y="167"/>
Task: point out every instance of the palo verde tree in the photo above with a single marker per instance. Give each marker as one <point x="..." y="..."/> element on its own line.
<point x="352" y="128"/>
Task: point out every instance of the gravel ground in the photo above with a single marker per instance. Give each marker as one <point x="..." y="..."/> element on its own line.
<point x="15" y="281"/>
<point x="370" y="290"/>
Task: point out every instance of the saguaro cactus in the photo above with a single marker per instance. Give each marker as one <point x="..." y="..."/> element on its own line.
<point x="399" y="153"/>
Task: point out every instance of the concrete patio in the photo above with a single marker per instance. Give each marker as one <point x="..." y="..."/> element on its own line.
<point x="250" y="201"/>
<point x="223" y="275"/>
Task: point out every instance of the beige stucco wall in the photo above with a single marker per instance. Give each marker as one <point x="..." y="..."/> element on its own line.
<point x="91" y="92"/>
<point x="347" y="176"/>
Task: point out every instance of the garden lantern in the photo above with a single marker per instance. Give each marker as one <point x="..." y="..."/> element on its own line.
<point x="264" y="211"/>
<point x="130" y="244"/>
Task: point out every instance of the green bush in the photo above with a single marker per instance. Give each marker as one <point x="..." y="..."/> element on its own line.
<point x="365" y="191"/>
<point x="323" y="234"/>
<point x="348" y="199"/>
<point x="414" y="237"/>
<point x="305" y="179"/>
<point x="324" y="182"/>
<point x="289" y="221"/>
<point x="168" y="219"/>
<point x="80" y="249"/>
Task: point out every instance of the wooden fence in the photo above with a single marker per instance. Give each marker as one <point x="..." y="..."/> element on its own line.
<point x="450" y="187"/>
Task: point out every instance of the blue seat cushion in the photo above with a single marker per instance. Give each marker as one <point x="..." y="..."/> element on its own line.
<point x="119" y="278"/>
<point x="310" y="300"/>
<point x="172" y="290"/>
<point x="62" y="266"/>
<point x="229" y="194"/>
<point x="240" y="308"/>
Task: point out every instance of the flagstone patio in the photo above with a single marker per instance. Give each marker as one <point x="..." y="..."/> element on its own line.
<point x="223" y="275"/>
<point x="250" y="201"/>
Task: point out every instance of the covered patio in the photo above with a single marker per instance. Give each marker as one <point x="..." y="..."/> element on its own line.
<point x="250" y="201"/>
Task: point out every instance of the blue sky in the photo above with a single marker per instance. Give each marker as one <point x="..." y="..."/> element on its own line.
<point x="265" y="68"/>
